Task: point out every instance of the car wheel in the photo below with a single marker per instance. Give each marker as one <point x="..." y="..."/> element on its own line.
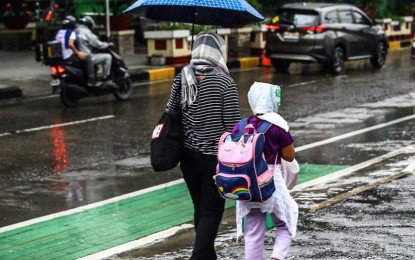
<point x="280" y="65"/>
<point x="378" y="60"/>
<point x="337" y="61"/>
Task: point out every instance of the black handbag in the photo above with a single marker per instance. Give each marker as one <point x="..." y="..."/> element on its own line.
<point x="167" y="141"/>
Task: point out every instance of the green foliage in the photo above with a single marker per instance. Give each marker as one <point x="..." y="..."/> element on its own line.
<point x="118" y="6"/>
<point x="186" y="26"/>
<point x="383" y="8"/>
<point x="255" y="4"/>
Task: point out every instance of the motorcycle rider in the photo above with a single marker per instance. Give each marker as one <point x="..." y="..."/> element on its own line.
<point x="90" y="42"/>
<point x="70" y="52"/>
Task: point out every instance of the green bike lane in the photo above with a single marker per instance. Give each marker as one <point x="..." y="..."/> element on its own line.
<point x="101" y="226"/>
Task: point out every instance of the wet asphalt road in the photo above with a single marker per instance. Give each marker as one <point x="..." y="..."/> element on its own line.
<point x="47" y="171"/>
<point x="377" y="224"/>
<point x="374" y="225"/>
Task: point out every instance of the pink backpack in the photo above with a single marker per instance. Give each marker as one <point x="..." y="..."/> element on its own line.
<point x="242" y="172"/>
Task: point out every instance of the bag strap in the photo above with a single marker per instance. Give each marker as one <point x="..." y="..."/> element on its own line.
<point x="242" y="124"/>
<point x="265" y="125"/>
<point x="178" y="108"/>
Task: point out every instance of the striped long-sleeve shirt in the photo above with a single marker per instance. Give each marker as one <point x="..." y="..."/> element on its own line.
<point x="215" y="111"/>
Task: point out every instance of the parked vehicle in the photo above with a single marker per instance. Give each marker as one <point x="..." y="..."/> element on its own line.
<point x="329" y="34"/>
<point x="70" y="78"/>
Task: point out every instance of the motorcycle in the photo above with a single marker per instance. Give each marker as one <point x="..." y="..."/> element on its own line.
<point x="70" y="78"/>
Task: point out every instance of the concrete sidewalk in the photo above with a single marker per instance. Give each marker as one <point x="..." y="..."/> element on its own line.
<point x="22" y="76"/>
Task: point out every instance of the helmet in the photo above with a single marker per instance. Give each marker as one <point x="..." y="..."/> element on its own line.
<point x="87" y="21"/>
<point x="69" y="22"/>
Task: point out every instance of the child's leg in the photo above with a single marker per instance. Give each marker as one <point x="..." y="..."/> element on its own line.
<point x="254" y="234"/>
<point x="282" y="239"/>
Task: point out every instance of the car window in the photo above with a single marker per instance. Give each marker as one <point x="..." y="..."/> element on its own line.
<point x="360" y="19"/>
<point x="298" y="18"/>
<point x="331" y="17"/>
<point x="345" y="16"/>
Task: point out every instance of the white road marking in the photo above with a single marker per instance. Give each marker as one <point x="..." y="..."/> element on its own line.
<point x="351" y="169"/>
<point x="314" y="81"/>
<point x="137" y="243"/>
<point x="410" y="168"/>
<point x="358" y="132"/>
<point x="28" y="130"/>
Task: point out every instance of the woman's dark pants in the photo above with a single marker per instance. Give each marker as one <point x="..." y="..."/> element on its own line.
<point x="198" y="170"/>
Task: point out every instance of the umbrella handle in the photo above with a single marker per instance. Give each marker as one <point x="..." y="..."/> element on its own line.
<point x="193" y="26"/>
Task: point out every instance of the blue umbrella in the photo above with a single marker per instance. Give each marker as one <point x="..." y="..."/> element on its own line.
<point x="204" y="12"/>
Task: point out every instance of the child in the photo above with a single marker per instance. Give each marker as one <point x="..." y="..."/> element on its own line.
<point x="264" y="100"/>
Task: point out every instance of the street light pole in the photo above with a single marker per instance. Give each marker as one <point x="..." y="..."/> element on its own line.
<point x="107" y="18"/>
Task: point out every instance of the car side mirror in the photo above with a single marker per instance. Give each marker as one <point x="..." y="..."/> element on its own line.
<point x="374" y="22"/>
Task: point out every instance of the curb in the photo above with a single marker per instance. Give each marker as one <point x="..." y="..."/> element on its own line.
<point x="138" y="75"/>
<point x="395" y="45"/>
<point x="170" y="72"/>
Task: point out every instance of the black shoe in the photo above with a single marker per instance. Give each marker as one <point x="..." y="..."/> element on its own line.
<point x="94" y="84"/>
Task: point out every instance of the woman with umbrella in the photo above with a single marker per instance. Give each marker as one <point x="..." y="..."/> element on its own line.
<point x="208" y="99"/>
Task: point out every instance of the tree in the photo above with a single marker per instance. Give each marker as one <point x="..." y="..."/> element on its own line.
<point x="383" y="8"/>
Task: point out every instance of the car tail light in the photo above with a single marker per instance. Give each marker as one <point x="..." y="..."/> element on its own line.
<point x="57" y="70"/>
<point x="314" y="29"/>
<point x="272" y="27"/>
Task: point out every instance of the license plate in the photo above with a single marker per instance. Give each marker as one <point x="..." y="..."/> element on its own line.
<point x="291" y="36"/>
<point x="55" y="82"/>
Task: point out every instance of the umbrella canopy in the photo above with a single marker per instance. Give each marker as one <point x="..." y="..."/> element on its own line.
<point x="203" y="12"/>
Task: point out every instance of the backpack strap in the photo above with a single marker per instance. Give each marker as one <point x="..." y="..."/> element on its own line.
<point x="242" y="123"/>
<point x="263" y="127"/>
